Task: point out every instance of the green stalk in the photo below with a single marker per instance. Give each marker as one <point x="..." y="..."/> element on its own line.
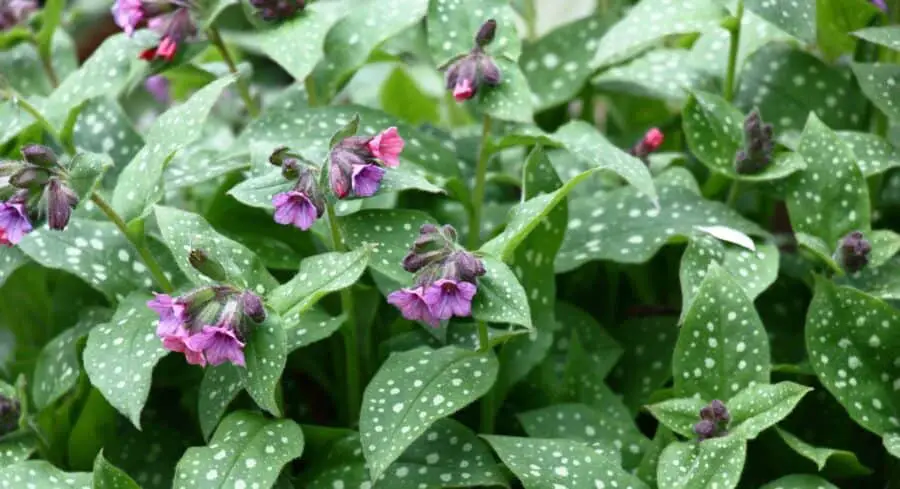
<point x="153" y="266"/>
<point x="216" y="39"/>
<point x="484" y="156"/>
<point x="728" y="89"/>
<point x="350" y="333"/>
<point x="67" y="146"/>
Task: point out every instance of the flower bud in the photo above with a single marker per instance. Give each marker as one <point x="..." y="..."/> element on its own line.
<point x="10" y="411"/>
<point x="270" y="10"/>
<point x="468" y="266"/>
<point x="60" y="202"/>
<point x="427" y="228"/>
<point x="759" y="146"/>
<point x="39" y="155"/>
<point x="486" y="33"/>
<point x="290" y="168"/>
<point x="449" y="232"/>
<point x="253" y="306"/>
<point x="9" y="167"/>
<point x="462" y="77"/>
<point x="415" y="261"/>
<point x="705" y="430"/>
<point x="340" y="172"/>
<point x="207" y="266"/>
<point x="30" y="177"/>
<point x="719" y="411"/>
<point x="853" y="252"/>
<point x="278" y="156"/>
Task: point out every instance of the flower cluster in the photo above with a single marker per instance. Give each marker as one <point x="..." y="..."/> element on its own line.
<point x="853" y="251"/>
<point x="208" y="324"/>
<point x="10" y="410"/>
<point x="13" y="12"/>
<point x="304" y="203"/>
<point x="277" y="9"/>
<point x="356" y="163"/>
<point x="714" y="420"/>
<point x="651" y="141"/>
<point x="33" y="188"/>
<point x="759" y="146"/>
<point x="468" y="73"/>
<point x="171" y="19"/>
<point x="446" y="278"/>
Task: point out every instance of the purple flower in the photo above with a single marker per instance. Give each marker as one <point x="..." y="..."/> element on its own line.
<point x="882" y="4"/>
<point x="172" y="314"/>
<point x="13" y="12"/>
<point x="14" y="223"/>
<point x="295" y="207"/>
<point x="179" y="341"/>
<point x="219" y="344"/>
<point x="411" y="303"/>
<point x="158" y="86"/>
<point x="128" y="14"/>
<point x="447" y="298"/>
<point x="366" y="179"/>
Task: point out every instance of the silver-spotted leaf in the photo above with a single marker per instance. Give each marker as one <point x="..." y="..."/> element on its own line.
<point x="390" y="233"/>
<point x="265" y="354"/>
<point x="717" y="462"/>
<point x="761" y="406"/>
<point x="16" y="447"/>
<point x="795" y="18"/>
<point x="873" y="154"/>
<point x="800" y="481"/>
<point x="822" y="455"/>
<point x="318" y="276"/>
<point x="220" y="385"/>
<point x="108" y="476"/>
<point x="879" y="82"/>
<point x="666" y="74"/>
<point x="42" y="475"/>
<point x="452" y="25"/>
<point x="679" y="415"/>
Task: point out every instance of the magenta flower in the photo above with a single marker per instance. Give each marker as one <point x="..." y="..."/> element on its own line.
<point x="366" y="179"/>
<point x="447" y="298"/>
<point x="158" y="87"/>
<point x="386" y="146"/>
<point x="179" y="341"/>
<point x="173" y="29"/>
<point x="296" y="208"/>
<point x="14" y="223"/>
<point x="172" y="314"/>
<point x="463" y="90"/>
<point x="411" y="303"/>
<point x="219" y="344"/>
<point x="128" y="14"/>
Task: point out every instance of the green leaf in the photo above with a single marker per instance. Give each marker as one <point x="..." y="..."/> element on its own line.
<point x="265" y="355"/>
<point x="309" y="327"/>
<point x="850" y="343"/>
<point x="800" y="481"/>
<point x="879" y="82"/>
<point x="120" y="356"/>
<point x="722" y="347"/>
<point x="10" y="261"/>
<point x="85" y="171"/>
<point x="258" y="191"/>
<point x="622" y="226"/>
<point x="558" y="64"/>
<point x="94" y="251"/>
<point x="15" y="448"/>
<point x="652" y="20"/>
<point x="221" y="384"/>
<point x="587" y="144"/>
<point x="646" y="362"/>
<point x="500" y="297"/>
<point x="715" y="133"/>
<point x="666" y="74"/>
<point x="511" y="99"/>
<point x="447" y="455"/>
<point x="140" y="183"/>
<point x="888" y="36"/>
<point x="318" y="276"/>
<point x="796" y="18"/>
<point x="51" y="15"/>
<point x="103" y="127"/>
<point x="108" y="476"/>
<point x="679" y="415"/>
<point x="837" y="20"/>
<point x="830" y="198"/>
<point x="403" y="96"/>
<point x="892" y="443"/>
<point x="407" y="178"/>
<point x="42" y="475"/>
<point x="882" y="282"/>
<point x="760" y="406"/>
<point x="389" y="232"/>
<point x="452" y="25"/>
<point x="246" y="449"/>
<point x="786" y="84"/>
<point x="821" y="456"/>
<point x="885" y="244"/>
<point x="535" y="463"/>
<point x="716" y="462"/>
<point x="411" y="391"/>
<point x="23" y="60"/>
<point x="873" y="154"/>
<point x="183" y="231"/>
<point x="57" y="369"/>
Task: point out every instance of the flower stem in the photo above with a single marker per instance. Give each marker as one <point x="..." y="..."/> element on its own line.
<point x="350" y="333"/>
<point x="733" y="194"/>
<point x="728" y="90"/>
<point x="484" y="156"/>
<point x="147" y="257"/>
<point x="244" y="90"/>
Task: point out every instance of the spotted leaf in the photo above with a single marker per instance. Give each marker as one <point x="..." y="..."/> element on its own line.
<point x="795" y="18"/>
<point x="246" y="449"/>
<point x="414" y="389"/>
<point x="535" y="464"/>
<point x="715" y="462"/>
<point x="16" y="447"/>
<point x="511" y="99"/>
<point x="821" y="456"/>
<point x="850" y="343"/>
<point x="390" y="233"/>
<point x="722" y="347"/>
<point x="140" y="183"/>
<point x="318" y="276"/>
<point x="10" y="261"/>
<point x="452" y="25"/>
<point x="85" y="171"/>
<point x="879" y="82"/>
<point x="882" y="282"/>
<point x="108" y="476"/>
<point x="800" y="481"/>
<point x="679" y="415"/>
<point x="265" y="355"/>
<point x="830" y="198"/>
<point x="42" y="475"/>
<point x="103" y="127"/>
<point x="886" y="36"/>
<point x="892" y="443"/>
<point x="221" y="384"/>
<point x="873" y="154"/>
<point x="646" y="362"/>
<point x="666" y="74"/>
<point x="23" y="60"/>
<point x="313" y="325"/>
<point x="761" y="406"/>
<point x="500" y="297"/>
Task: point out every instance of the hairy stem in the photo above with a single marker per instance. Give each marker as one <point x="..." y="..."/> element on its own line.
<point x="728" y="90"/>
<point x="243" y="88"/>
<point x="484" y="156"/>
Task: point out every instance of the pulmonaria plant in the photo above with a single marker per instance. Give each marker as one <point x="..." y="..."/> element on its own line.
<point x="356" y="164"/>
<point x="446" y="278"/>
<point x="172" y="20"/>
<point x="852" y="252"/>
<point x="304" y="203"/>
<point x="714" y="419"/>
<point x="467" y="74"/>
<point x="648" y="144"/>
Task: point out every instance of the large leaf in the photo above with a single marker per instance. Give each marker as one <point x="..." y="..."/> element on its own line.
<point x="247" y="449"/>
<point x="140" y="183"/>
<point x="500" y="297"/>
<point x="318" y="276"/>
<point x="120" y="356"/>
<point x="221" y="384"/>
<point x="452" y="25"/>
<point x="722" y="347"/>
<point x="873" y="154"/>
<point x="511" y="99"/>
<point x="795" y="18"/>
<point x="717" y="462"/>
<point x="821" y="456"/>
<point x="16" y="447"/>
<point x="23" y="60"/>
<point x="414" y="389"/>
<point x="667" y="74"/>
<point x="390" y="233"/>
<point x="850" y="338"/>
<point x="103" y="127"/>
<point x="761" y="406"/>
<point x="646" y="362"/>
<point x="879" y="83"/>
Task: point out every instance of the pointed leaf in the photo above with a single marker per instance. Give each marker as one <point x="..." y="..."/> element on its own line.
<point x="888" y="36"/>
<point x="390" y="232"/>
<point x="795" y="18"/>
<point x="760" y="406"/>
<point x="666" y="74"/>
<point x="800" y="481"/>
<point x="892" y="443"/>
<point x="318" y="276"/>
<point x="42" y="475"/>
<point x="821" y="456"/>
<point x="716" y="462"/>
<point x="879" y="82"/>
<point x="511" y="99"/>
<point x="500" y="297"/>
<point x="221" y="384"/>
<point x="85" y="171"/>
<point x="679" y="415"/>
<point x="108" y="476"/>
<point x="103" y="127"/>
<point x="873" y="154"/>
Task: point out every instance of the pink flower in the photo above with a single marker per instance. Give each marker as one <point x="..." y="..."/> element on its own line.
<point x="219" y="344"/>
<point x="412" y="305"/>
<point x="172" y="314"/>
<point x="14" y="223"/>
<point x="463" y="90"/>
<point x="653" y="139"/>
<point x="128" y="14"/>
<point x="386" y="146"/>
<point x="295" y="208"/>
<point x="179" y="341"/>
<point x="447" y="298"/>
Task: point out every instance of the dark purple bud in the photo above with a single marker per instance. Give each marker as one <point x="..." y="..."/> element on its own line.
<point x="253" y="307"/>
<point x="10" y="411"/>
<point x="427" y="228"/>
<point x="30" y="177"/>
<point x="462" y="77"/>
<point x="209" y="267"/>
<point x="759" y="146"/>
<point x="705" y="430"/>
<point x="468" y="266"/>
<point x="60" y="202"/>
<point x="707" y="413"/>
<point x="719" y="411"/>
<point x="486" y="33"/>
<point x="278" y="9"/>
<point x="853" y="252"/>
<point x="490" y="73"/>
<point x="290" y="168"/>
<point x="414" y="261"/>
<point x="39" y="155"/>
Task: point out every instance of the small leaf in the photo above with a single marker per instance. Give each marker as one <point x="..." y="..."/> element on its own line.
<point x="411" y="391"/>
<point x="888" y="36"/>
<point x="246" y="449"/>
<point x="390" y="234"/>
<point x="265" y="356"/>
<point x="511" y="99"/>
<point x="534" y="462"/>
<point x="665" y="74"/>
<point x="795" y="18"/>
<point x="318" y="276"/>
<point x="800" y="481"/>
<point x="108" y="476"/>
<point x="309" y="327"/>
<point x="716" y="462"/>
<point x="120" y="356"/>
<point x="16" y="447"/>
<point x="722" y="347"/>
<point x="821" y="456"/>
<point x="879" y="82"/>
<point x="139" y="184"/>
<point x="885" y="244"/>
<point x="760" y="406"/>
<point x="500" y="297"/>
<point x="85" y="172"/>
<point x="42" y="475"/>
<point x="873" y="154"/>
<point x="679" y="415"/>
<point x="452" y="25"/>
